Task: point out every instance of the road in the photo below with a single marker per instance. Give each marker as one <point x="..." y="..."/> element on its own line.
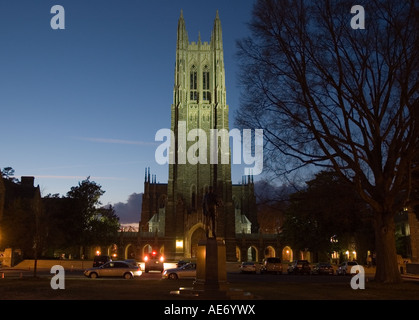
<point x="21" y="285"/>
<point x="232" y="277"/>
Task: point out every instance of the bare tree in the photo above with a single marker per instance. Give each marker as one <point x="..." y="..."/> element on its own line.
<point x="331" y="96"/>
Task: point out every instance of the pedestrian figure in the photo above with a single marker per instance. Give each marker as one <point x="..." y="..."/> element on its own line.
<point x="209" y="206"/>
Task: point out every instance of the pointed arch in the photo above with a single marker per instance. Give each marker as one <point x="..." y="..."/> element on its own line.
<point x="238" y="253"/>
<point x="206" y="82"/>
<point x="287" y="254"/>
<point x="270" y="252"/>
<point x="252" y="253"/>
<point x="193" y="82"/>
<point x="188" y="238"/>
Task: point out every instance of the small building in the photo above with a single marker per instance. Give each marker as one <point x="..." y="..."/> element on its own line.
<point x="20" y="213"/>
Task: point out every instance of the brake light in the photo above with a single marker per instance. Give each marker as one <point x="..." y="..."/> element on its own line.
<point x="154" y="253"/>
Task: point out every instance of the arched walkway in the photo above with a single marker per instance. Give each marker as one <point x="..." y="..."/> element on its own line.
<point x="192" y="237"/>
<point x="146" y="249"/>
<point x="269" y="252"/>
<point x="238" y="254"/>
<point x="198" y="235"/>
<point x="129" y="252"/>
<point x="252" y="254"/>
<point x="287" y="254"/>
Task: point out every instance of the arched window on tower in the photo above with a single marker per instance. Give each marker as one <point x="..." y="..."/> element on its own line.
<point x="206" y="94"/>
<point x="193" y="84"/>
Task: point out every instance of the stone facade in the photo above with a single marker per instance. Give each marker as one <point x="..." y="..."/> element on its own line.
<point x="199" y="102"/>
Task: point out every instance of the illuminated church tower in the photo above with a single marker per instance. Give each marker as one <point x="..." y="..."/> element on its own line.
<point x="199" y="102"/>
<point x="174" y="210"/>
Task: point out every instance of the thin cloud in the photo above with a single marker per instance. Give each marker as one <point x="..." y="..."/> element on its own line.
<point x="77" y="177"/>
<point x="118" y="141"/>
<point x="105" y="164"/>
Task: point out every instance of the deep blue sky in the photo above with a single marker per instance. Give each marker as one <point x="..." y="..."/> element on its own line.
<point x="88" y="100"/>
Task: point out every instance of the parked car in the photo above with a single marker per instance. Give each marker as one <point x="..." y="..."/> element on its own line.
<point x="323" y="268"/>
<point x="100" y="260"/>
<point x="248" y="267"/>
<point x="114" y="269"/>
<point x="153" y="261"/>
<point x="271" y="265"/>
<point x="299" y="267"/>
<point x="185" y="271"/>
<point x="133" y="262"/>
<point x="181" y="263"/>
<point x="345" y="267"/>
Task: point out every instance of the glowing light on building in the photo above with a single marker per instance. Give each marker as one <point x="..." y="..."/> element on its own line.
<point x="179" y="244"/>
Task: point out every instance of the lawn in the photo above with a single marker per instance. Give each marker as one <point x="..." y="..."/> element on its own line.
<point x="117" y="289"/>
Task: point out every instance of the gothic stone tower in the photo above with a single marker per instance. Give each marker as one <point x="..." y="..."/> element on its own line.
<point x="199" y="102"/>
<point x="171" y="218"/>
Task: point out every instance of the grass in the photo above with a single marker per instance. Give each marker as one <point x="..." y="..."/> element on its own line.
<point x="30" y="288"/>
<point x="336" y="291"/>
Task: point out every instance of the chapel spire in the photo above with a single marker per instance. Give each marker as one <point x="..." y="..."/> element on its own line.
<point x="182" y="35"/>
<point x="216" y="37"/>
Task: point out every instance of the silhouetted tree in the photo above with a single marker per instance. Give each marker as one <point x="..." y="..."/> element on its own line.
<point x="104" y="227"/>
<point x="8" y="173"/>
<point x="95" y="224"/>
<point x="328" y="207"/>
<point x="331" y="96"/>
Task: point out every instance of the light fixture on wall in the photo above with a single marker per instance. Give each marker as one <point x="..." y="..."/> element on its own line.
<point x="179" y="244"/>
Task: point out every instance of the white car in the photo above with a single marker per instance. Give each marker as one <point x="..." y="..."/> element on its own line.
<point x="185" y="271"/>
<point x="271" y="265"/>
<point x="248" y="267"/>
<point x="345" y="267"/>
<point x="114" y="269"/>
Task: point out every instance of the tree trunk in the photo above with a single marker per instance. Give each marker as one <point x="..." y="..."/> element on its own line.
<point x="386" y="255"/>
<point x="35" y="267"/>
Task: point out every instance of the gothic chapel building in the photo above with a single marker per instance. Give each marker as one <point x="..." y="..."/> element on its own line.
<point x="172" y="218"/>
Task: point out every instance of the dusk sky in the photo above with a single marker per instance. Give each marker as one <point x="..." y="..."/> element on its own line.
<point x="88" y="100"/>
